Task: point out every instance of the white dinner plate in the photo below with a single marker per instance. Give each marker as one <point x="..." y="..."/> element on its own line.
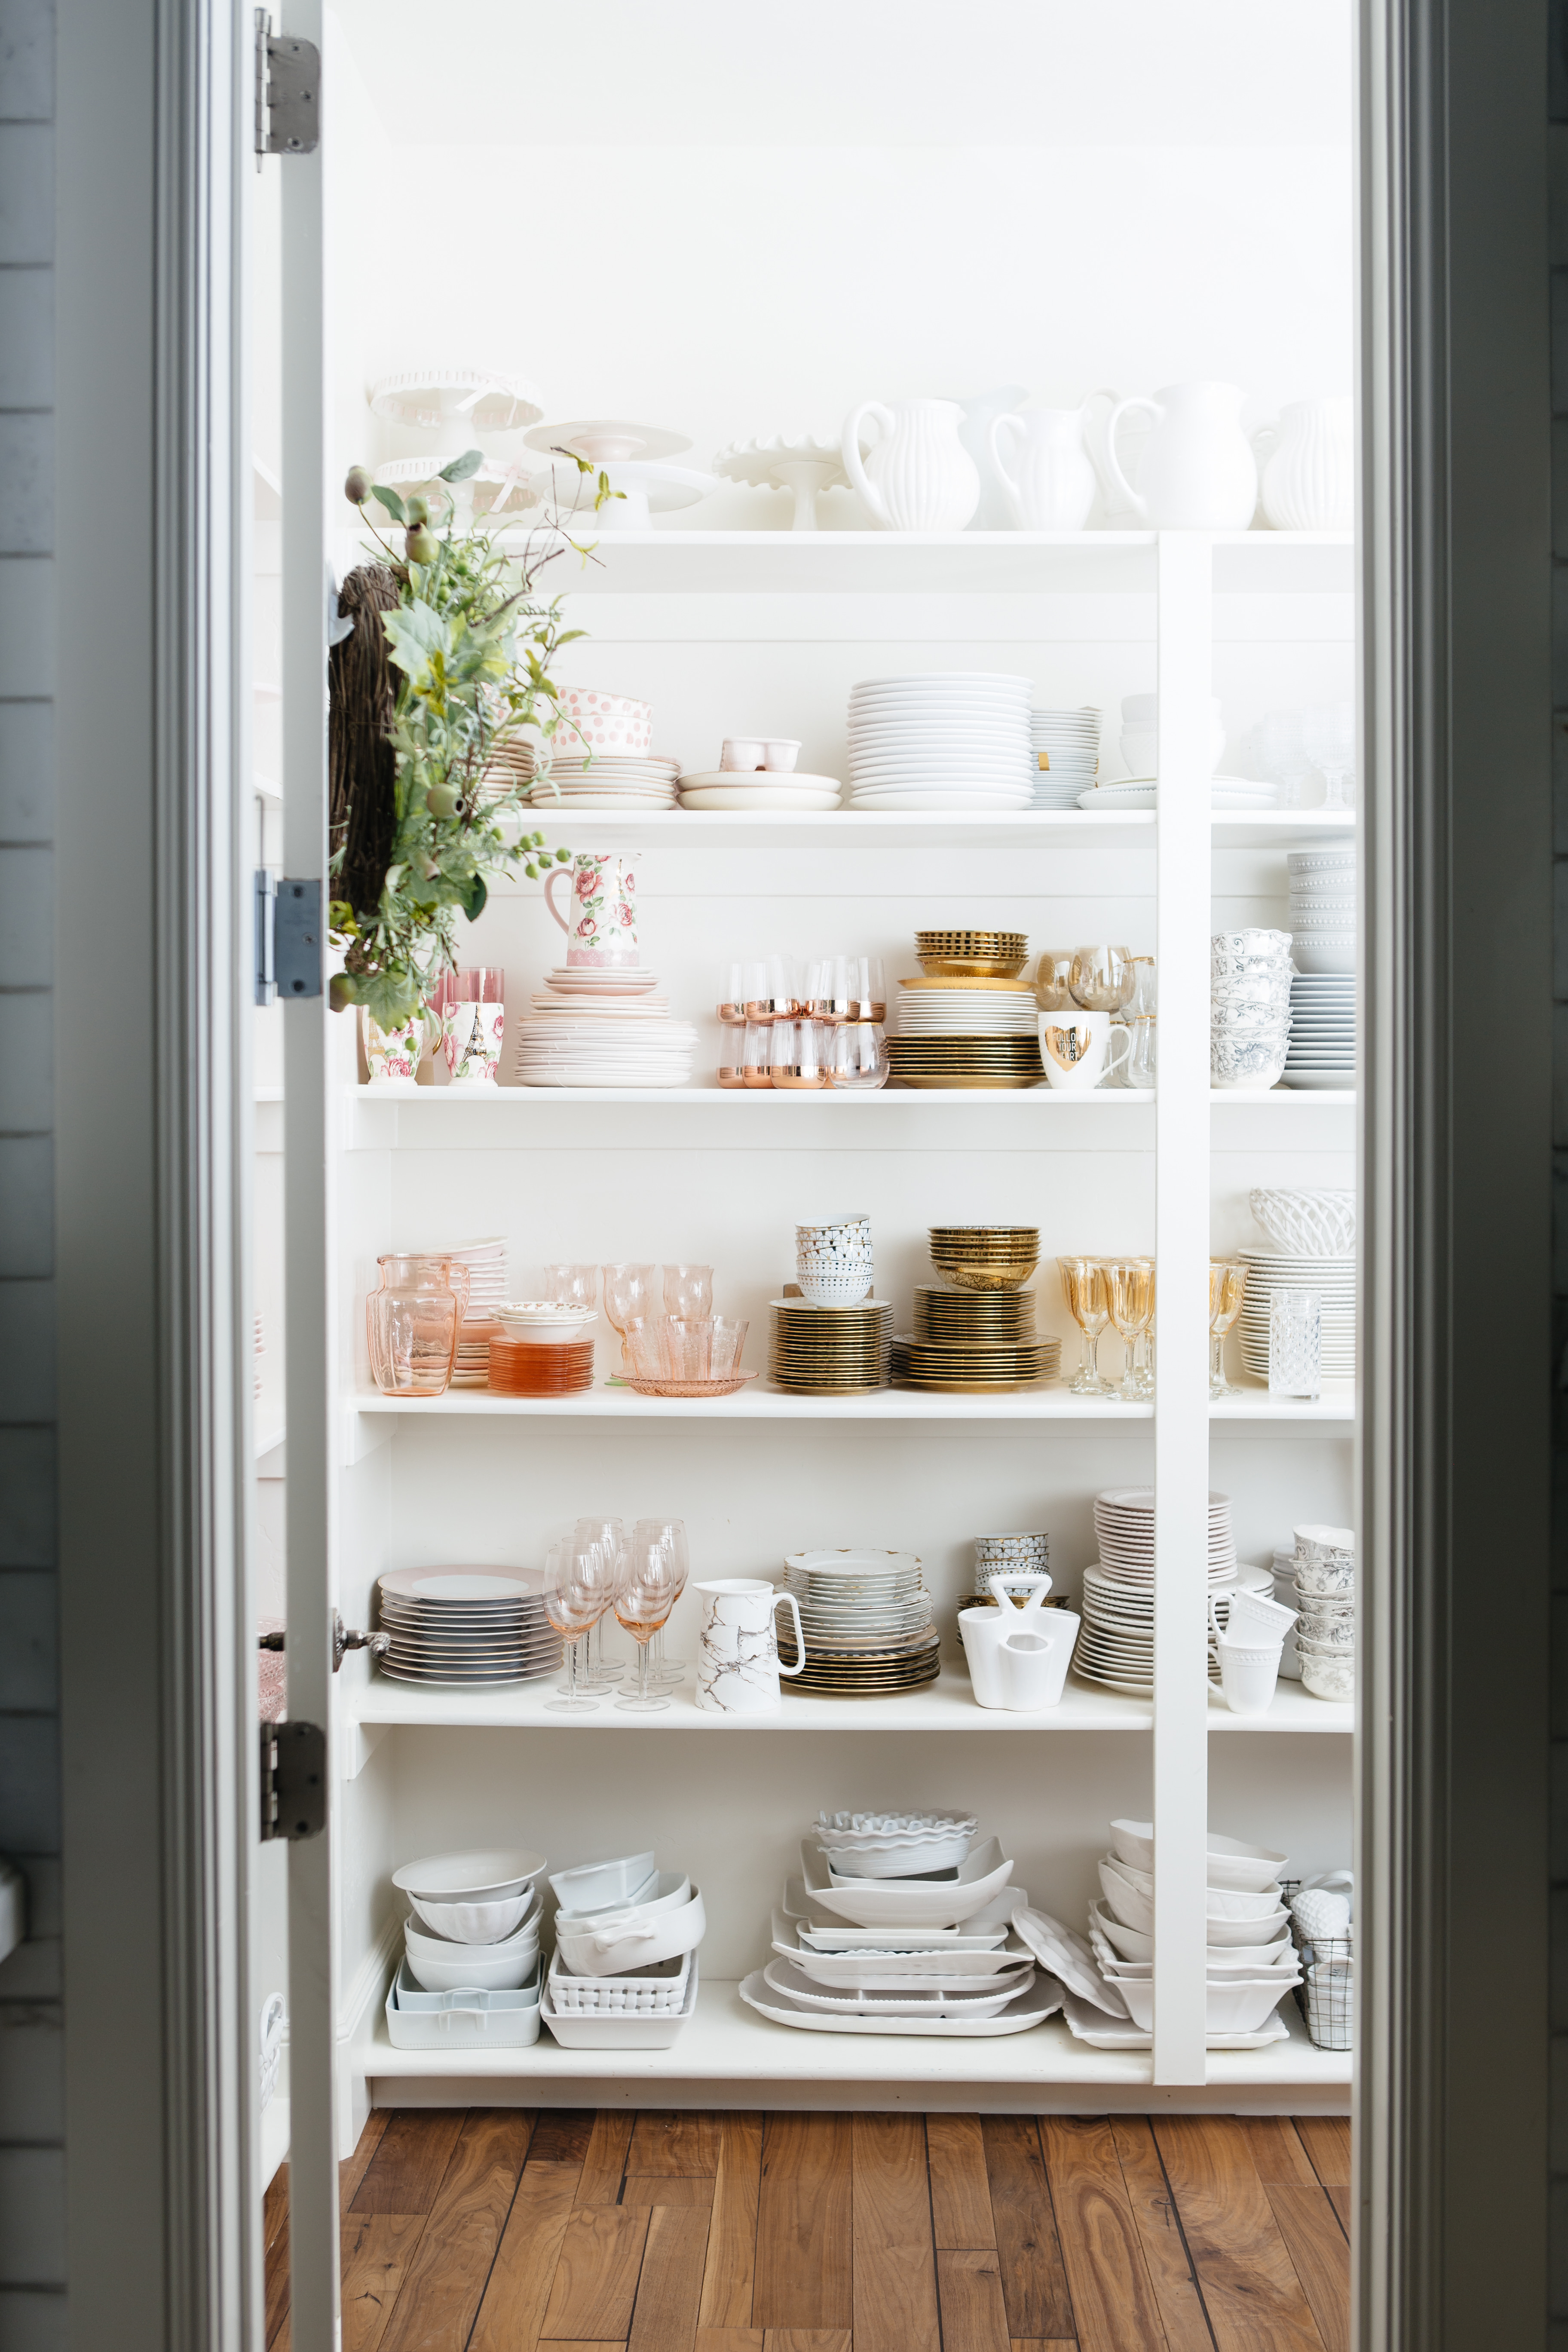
<point x="746" y="796"/>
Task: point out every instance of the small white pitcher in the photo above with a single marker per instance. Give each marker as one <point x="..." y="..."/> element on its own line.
<point x="1198" y="471"/>
<point x="738" y="1664"/>
<point x="919" y="475"/>
<point x="1043" y="458"/>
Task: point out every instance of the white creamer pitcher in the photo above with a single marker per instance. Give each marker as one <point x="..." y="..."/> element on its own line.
<point x="918" y="475"/>
<point x="738" y="1664"/>
<point x="1042" y="456"/>
<point x="1309" y="480"/>
<point x="1198" y="471"/>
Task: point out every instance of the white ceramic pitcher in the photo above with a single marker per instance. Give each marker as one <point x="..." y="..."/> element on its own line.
<point x="1309" y="480"/>
<point x="1042" y="456"/>
<point x="918" y="475"/>
<point x="1198" y="471"/>
<point x="738" y="1664"/>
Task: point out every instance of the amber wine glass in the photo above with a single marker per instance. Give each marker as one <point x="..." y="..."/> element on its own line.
<point x="1129" y="1294"/>
<point x="644" y="1595"/>
<point x="628" y="1294"/>
<point x="1083" y="1287"/>
<point x="599" y="1673"/>
<point x="1227" y="1287"/>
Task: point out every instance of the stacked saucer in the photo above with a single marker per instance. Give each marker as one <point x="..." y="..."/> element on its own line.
<point x="486" y="1261"/>
<point x="867" y="1620"/>
<point x="610" y="781"/>
<point x="471" y="1625"/>
<point x="1333" y="1279"/>
<point x="602" y="1026"/>
<point x="1116" y="1646"/>
<point x="972" y="1063"/>
<point x="760" y="788"/>
<point x="1323" y="1048"/>
<point x="956" y="740"/>
<point x="1322" y="906"/>
<point x="965" y="1029"/>
<point x="964" y="1006"/>
<point x="1067" y="752"/>
<point x="960" y="954"/>
<point x="829" y="1350"/>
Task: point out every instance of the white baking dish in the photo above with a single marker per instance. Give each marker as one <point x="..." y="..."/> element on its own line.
<point x="470" y="2020"/>
<point x="624" y="1941"/>
<point x="621" y="2031"/>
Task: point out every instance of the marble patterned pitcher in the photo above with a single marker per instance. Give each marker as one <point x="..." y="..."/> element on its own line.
<point x="738" y="1664"/>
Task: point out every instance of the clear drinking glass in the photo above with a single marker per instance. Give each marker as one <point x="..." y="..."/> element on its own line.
<point x="575" y="1597"/>
<point x="1141" y="1005"/>
<point x="642" y="1346"/>
<point x="1129" y="1294"/>
<point x="629" y="1293"/>
<point x="1142" y="1062"/>
<point x="646" y="1588"/>
<point x="599" y="1673"/>
<point x="1294" y="1343"/>
<point x="412" y="1323"/>
<point x="1100" y="979"/>
<point x="757" y="1054"/>
<point x="1227" y="1286"/>
<point x="1083" y="1287"/>
<point x="802" y="1056"/>
<point x="727" y="1347"/>
<point x="687" y="1342"/>
<point x="687" y="1289"/>
<point x="732" y="1002"/>
<point x="859" y="1053"/>
<point x="1328" y="737"/>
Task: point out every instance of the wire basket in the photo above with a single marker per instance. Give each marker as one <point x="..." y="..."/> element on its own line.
<point x="1326" y="1994"/>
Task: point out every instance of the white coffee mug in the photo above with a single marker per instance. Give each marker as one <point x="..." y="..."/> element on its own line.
<point x="738" y="1664"/>
<point x="1080" y="1048"/>
<point x="1248" y="1672"/>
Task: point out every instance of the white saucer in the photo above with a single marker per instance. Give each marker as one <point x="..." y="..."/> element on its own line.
<point x="805" y="803"/>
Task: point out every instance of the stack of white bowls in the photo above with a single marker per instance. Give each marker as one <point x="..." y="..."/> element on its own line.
<point x="833" y="1261"/>
<point x="1251" y="1960"/>
<point x="1066" y="755"/>
<point x="1325" y="1598"/>
<point x="956" y="740"/>
<point x="475" y="1919"/>
<point x="1250" y="1007"/>
<point x="1322" y="906"/>
<point x="623" y="1974"/>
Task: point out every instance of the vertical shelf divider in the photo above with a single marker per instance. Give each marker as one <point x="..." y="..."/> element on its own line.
<point x="1180" y="1758"/>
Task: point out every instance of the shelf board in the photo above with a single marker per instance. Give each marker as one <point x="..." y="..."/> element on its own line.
<point x="949" y="1705"/>
<point x="754" y="1404"/>
<point x="673" y="560"/>
<point x="915" y="1097"/>
<point x="1248" y="1098"/>
<point x="1337" y="1403"/>
<point x="728" y="2055"/>
<point x="987" y="828"/>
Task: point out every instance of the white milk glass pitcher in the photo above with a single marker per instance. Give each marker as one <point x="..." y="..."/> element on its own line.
<point x="1309" y="479"/>
<point x="1198" y="471"/>
<point x="1043" y="458"/>
<point x="738" y="1664"/>
<point x="919" y="475"/>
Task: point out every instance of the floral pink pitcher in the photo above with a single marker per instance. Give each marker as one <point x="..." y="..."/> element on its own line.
<point x="602" y="929"/>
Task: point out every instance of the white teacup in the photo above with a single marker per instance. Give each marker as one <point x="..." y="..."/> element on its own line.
<point x="1248" y="1672"/>
<point x="1078" y="1048"/>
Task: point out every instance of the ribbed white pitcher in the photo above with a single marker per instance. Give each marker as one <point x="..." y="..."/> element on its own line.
<point x="918" y="475"/>
<point x="1043" y="458"/>
<point x="1308" y="482"/>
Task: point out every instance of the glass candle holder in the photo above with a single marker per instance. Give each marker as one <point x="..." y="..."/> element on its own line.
<point x="1294" y="1343"/>
<point x="412" y="1323"/>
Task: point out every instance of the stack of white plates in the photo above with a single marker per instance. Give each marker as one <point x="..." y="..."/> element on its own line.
<point x="760" y="788"/>
<point x="467" y="1625"/>
<point x="1322" y="906"/>
<point x="597" y="1047"/>
<point x="858" y="1600"/>
<point x="1140" y="791"/>
<point x="1116" y="1646"/>
<point x="956" y="740"/>
<point x="614" y="780"/>
<point x="1067" y="754"/>
<point x="486" y="1261"/>
<point x="1333" y="1279"/>
<point x="1321" y="1052"/>
<point x="999" y="1008"/>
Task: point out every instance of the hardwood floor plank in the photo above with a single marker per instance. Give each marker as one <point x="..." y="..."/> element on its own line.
<point x="564" y="2135"/>
<point x="1339" y="2199"/>
<point x="973" y="2309"/>
<point x="1039" y="2343"/>
<point x="1321" y="2252"/>
<point x="1250" y="2289"/>
<point x="685" y="2143"/>
<point x="664" y="2317"/>
<point x="1327" y="2140"/>
<point x="1033" y="2278"/>
<point x="414" y="2151"/>
<point x="1113" y="2301"/>
<point x="663" y="2188"/>
<point x="605" y="2157"/>
<point x="513" y="2311"/>
<point x="893" y="2259"/>
<point x="804" y="2275"/>
<point x="352" y="2168"/>
<point x="960" y="2191"/>
<point x="729" y="2339"/>
<point x="596" y="2281"/>
<point x="732" y="2232"/>
<point x="1159" y="2235"/>
<point x="1279" y="2157"/>
<point x="377" y="2248"/>
<point x="807" y="2340"/>
<point x="439" y="2297"/>
<point x="275" y="2206"/>
<point x="275" y="2261"/>
<point x="617" y="2346"/>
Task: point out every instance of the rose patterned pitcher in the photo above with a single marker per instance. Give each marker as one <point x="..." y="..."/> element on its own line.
<point x="601" y="929"/>
<point x="919" y="475"/>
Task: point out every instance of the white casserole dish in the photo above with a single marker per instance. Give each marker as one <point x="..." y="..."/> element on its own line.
<point x="622" y="2031"/>
<point x="1243" y="2008"/>
<point x="907" y="1903"/>
<point x="622" y="1942"/>
<point x="470" y="2020"/>
<point x="592" y="1885"/>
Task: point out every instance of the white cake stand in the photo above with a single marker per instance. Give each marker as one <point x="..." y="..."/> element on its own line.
<point x="607" y="440"/>
<point x="513" y="491"/>
<point x="435" y="397"/>
<point x="785" y="461"/>
<point x="644" y="490"/>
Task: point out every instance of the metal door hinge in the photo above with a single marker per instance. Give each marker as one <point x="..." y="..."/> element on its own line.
<point x="288" y="92"/>
<point x="293" y="1780"/>
<point x="266" y="905"/>
<point x="345" y="1638"/>
<point x="297" y="939"/>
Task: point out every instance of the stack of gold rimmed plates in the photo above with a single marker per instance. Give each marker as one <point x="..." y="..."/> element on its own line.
<point x="975" y="1371"/>
<point x="998" y="1060"/>
<point x="986" y="1257"/>
<point x="995" y="1319"/>
<point x="869" y="1673"/>
<point x="829" y="1350"/>
<point x="999" y="955"/>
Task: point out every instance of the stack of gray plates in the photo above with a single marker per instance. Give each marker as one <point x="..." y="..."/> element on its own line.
<point x="469" y="1625"/>
<point x="1333" y="1280"/>
<point x="1321" y="1052"/>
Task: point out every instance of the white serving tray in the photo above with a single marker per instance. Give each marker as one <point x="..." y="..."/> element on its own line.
<point x="1042" y="1998"/>
<point x="623" y="2032"/>
<point x="982" y="1996"/>
<point x="877" y="1967"/>
<point x="987" y="1931"/>
<point x="1102" y="2032"/>
<point x="461" y="2021"/>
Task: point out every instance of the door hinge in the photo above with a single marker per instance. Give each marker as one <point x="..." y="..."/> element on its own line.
<point x="288" y="92"/>
<point x="293" y="1780"/>
<point x="265" y="906"/>
<point x="297" y="939"/>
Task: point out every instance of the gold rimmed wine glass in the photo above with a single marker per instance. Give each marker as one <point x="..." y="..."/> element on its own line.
<point x="1129" y="1294"/>
<point x="1227" y="1287"/>
<point x="1083" y="1287"/>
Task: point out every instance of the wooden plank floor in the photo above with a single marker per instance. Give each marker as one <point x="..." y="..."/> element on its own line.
<point x="502" y="2230"/>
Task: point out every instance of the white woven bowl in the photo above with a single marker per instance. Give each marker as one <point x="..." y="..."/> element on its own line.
<point x="1318" y="1224"/>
